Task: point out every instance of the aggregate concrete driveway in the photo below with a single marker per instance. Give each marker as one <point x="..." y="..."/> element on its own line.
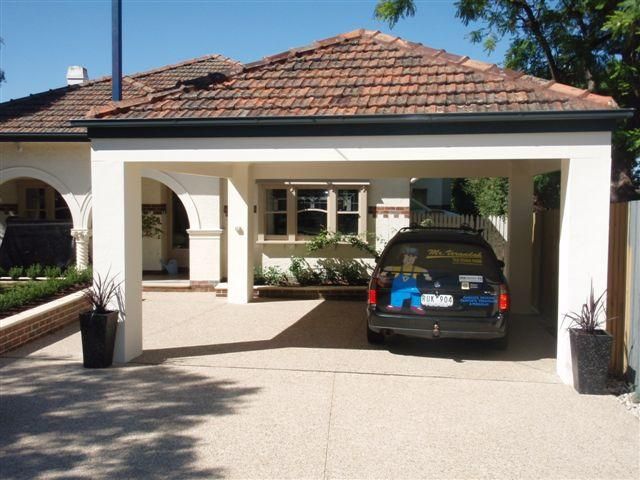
<point x="290" y="389"/>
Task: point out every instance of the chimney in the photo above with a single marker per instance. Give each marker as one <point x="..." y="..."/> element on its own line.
<point x="76" y="75"/>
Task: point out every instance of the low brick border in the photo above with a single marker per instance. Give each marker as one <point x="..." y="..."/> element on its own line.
<point x="26" y="326"/>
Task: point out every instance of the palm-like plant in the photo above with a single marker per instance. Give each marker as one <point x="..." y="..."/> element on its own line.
<point x="100" y="294"/>
<point x="592" y="314"/>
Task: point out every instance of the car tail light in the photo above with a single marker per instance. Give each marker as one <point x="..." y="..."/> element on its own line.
<point x="504" y="301"/>
<point x="373" y="297"/>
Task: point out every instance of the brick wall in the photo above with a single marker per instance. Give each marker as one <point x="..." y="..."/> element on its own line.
<point x="26" y="326"/>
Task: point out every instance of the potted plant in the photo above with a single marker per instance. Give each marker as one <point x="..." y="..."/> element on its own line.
<point x="98" y="325"/>
<point x="590" y="345"/>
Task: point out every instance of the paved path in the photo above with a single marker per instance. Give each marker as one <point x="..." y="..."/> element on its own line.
<point x="290" y="389"/>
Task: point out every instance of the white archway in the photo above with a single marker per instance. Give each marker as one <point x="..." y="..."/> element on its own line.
<point x="13" y="173"/>
<point x="179" y="190"/>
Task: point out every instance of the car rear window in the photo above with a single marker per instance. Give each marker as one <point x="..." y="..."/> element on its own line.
<point x="442" y="257"/>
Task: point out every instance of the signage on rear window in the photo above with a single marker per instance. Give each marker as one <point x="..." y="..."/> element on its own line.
<point x="457" y="257"/>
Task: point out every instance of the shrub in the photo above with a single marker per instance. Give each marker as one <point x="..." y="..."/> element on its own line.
<point x="15" y="272"/>
<point x="33" y="271"/>
<point x="52" y="272"/>
<point x="23" y="294"/>
<point x="269" y="276"/>
<point x="2" y="272"/>
<point x="345" y="271"/>
<point x="304" y="273"/>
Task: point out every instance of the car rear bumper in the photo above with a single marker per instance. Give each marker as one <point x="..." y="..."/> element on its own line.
<point x="438" y="327"/>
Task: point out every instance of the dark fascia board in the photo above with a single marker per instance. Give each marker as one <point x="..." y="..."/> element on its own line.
<point x="443" y="123"/>
<point x="43" y="137"/>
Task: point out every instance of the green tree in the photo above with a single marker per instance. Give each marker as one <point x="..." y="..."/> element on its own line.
<point x="480" y="196"/>
<point x="592" y="44"/>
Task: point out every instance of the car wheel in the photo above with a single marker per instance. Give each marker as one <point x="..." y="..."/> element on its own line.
<point x="375" y="338"/>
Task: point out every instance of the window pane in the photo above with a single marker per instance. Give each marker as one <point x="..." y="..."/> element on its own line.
<point x="276" y="200"/>
<point x="276" y="223"/>
<point x="348" y="223"/>
<point x="35" y="198"/>
<point x="312" y="210"/>
<point x="180" y="224"/>
<point x="311" y="222"/>
<point x="312" y="199"/>
<point x="347" y="200"/>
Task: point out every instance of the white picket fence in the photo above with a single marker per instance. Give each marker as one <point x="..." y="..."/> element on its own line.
<point x="492" y="226"/>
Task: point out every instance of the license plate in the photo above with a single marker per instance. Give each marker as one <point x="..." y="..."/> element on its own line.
<point x="432" y="300"/>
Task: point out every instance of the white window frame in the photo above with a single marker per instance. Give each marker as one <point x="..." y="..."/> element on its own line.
<point x="292" y="188"/>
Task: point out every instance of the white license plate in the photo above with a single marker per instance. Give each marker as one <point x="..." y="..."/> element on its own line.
<point x="432" y="300"/>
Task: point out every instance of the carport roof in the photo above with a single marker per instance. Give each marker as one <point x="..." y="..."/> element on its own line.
<point x="50" y="112"/>
<point x="360" y="73"/>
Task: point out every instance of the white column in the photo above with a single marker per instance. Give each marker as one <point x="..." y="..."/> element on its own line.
<point x="520" y="212"/>
<point x="240" y="240"/>
<point x="117" y="245"/>
<point x="82" y="237"/>
<point x="584" y="242"/>
<point x="204" y="256"/>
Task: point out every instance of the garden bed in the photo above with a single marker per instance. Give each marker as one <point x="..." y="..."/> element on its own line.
<point x="19" y="295"/>
<point x="327" y="292"/>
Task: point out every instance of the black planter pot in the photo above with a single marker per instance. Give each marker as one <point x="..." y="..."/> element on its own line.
<point x="98" y="338"/>
<point x="590" y="355"/>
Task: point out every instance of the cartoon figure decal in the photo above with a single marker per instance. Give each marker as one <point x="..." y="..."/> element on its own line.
<point x="404" y="287"/>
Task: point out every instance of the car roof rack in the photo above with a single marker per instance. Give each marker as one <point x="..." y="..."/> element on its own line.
<point x="463" y="228"/>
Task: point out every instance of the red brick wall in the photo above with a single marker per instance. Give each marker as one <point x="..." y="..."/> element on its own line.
<point x="41" y="324"/>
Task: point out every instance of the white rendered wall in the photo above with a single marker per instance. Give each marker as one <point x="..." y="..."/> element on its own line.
<point x="584" y="241"/>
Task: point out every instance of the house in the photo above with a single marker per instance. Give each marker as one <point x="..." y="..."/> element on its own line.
<point x="261" y="156"/>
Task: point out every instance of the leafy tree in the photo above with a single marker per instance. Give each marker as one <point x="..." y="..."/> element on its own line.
<point x="592" y="44"/>
<point x="480" y="196"/>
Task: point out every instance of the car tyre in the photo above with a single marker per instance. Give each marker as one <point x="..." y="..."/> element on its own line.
<point x="374" y="338"/>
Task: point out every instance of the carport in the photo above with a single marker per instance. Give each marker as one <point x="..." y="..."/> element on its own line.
<point x="509" y="126"/>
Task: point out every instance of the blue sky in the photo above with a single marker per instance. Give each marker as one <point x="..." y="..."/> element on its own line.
<point x="43" y="37"/>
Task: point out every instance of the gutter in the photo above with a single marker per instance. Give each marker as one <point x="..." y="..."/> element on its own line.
<point x="43" y="137"/>
<point x="436" y="118"/>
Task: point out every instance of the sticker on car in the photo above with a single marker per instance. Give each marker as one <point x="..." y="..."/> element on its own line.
<point x="470" y="278"/>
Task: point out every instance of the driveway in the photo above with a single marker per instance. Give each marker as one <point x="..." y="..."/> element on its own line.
<point x="291" y="389"/>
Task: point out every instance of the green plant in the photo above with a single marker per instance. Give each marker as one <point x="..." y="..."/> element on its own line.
<point x="33" y="271"/>
<point x="274" y="276"/>
<point x="591" y="316"/>
<point x="326" y="239"/>
<point x="2" y="272"/>
<point x="150" y="225"/>
<point x="304" y="273"/>
<point x="52" y="272"/>
<point x="25" y="293"/>
<point x="339" y="271"/>
<point x="15" y="272"/>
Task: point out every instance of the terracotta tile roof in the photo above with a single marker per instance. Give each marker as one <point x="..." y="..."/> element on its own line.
<point x="359" y="73"/>
<point x="49" y="112"/>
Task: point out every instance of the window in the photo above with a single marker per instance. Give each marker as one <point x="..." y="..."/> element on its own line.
<point x="312" y="211"/>
<point x="179" y="223"/>
<point x="276" y="211"/>
<point x="291" y="211"/>
<point x="348" y="212"/>
<point x="35" y="203"/>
